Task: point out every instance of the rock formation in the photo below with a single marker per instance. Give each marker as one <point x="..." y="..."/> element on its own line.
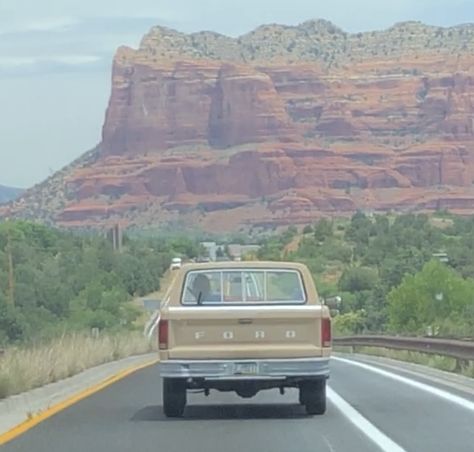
<point x="282" y="125"/>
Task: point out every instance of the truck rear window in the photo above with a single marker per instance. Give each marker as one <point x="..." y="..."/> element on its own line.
<point x="243" y="287"/>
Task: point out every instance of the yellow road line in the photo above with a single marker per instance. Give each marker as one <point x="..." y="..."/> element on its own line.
<point x="60" y="406"/>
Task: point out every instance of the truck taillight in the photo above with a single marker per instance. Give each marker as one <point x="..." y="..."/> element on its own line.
<point x="163" y="334"/>
<point x="326" y="332"/>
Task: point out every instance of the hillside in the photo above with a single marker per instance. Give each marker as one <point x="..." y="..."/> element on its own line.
<point x="281" y="125"/>
<point x="65" y="282"/>
<point x="389" y="270"/>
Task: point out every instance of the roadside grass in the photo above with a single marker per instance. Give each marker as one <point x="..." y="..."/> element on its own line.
<point x="435" y="361"/>
<point x="165" y="282"/>
<point x="26" y="367"/>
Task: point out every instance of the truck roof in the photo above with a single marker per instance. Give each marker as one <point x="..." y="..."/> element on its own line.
<point x="243" y="264"/>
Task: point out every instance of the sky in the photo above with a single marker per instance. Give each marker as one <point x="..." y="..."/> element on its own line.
<point x="56" y="55"/>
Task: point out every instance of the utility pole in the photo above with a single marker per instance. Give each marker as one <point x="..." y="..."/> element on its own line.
<point x="11" y="275"/>
<point x="115" y="235"/>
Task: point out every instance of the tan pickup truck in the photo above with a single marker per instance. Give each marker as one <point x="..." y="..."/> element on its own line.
<point x="244" y="327"/>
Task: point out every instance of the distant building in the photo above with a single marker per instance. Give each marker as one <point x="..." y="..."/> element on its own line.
<point x="234" y="252"/>
<point x="237" y="252"/>
<point x="442" y="257"/>
<point x="369" y="213"/>
<point x="211" y="249"/>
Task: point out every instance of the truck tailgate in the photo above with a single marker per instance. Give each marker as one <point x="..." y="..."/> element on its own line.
<point x="203" y="332"/>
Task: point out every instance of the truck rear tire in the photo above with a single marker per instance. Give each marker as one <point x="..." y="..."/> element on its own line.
<point x="313" y="396"/>
<point x="174" y="396"/>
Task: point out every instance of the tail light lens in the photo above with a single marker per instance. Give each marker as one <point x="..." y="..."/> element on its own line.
<point x="326" y="332"/>
<point x="163" y="334"/>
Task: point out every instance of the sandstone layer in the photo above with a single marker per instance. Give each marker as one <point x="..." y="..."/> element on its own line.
<point x="282" y="125"/>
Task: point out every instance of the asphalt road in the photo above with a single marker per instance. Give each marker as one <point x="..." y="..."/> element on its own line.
<point x="367" y="411"/>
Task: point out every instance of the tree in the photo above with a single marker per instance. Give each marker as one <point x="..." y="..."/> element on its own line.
<point x="323" y="229"/>
<point x="186" y="247"/>
<point x="375" y="307"/>
<point x="349" y="323"/>
<point x="360" y="229"/>
<point x="76" y="281"/>
<point x="334" y="250"/>
<point x="270" y="251"/>
<point x="287" y="236"/>
<point x="382" y="225"/>
<point x="12" y="324"/>
<point x="404" y="262"/>
<point x="357" y="279"/>
<point x="431" y="296"/>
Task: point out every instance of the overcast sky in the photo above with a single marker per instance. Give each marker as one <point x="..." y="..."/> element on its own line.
<point x="55" y="58"/>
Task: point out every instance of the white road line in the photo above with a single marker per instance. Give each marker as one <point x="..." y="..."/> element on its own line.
<point x="416" y="384"/>
<point x="367" y="428"/>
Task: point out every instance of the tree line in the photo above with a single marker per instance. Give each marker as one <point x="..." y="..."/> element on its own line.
<point x="53" y="281"/>
<point x="406" y="274"/>
<point x="411" y="273"/>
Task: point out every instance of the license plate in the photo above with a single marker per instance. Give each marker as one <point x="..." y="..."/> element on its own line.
<point x="246" y="369"/>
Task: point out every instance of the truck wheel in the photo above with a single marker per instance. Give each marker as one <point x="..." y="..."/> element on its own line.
<point x="174" y="396"/>
<point x="313" y="396"/>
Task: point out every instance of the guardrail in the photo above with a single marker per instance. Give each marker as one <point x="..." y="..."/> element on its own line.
<point x="462" y="351"/>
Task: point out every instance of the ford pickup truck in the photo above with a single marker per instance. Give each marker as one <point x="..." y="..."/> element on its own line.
<point x="244" y="327"/>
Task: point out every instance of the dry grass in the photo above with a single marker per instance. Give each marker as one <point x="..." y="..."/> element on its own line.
<point x="24" y="368"/>
<point x="435" y="361"/>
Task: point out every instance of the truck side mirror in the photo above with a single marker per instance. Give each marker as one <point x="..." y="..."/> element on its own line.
<point x="333" y="302"/>
<point x="151" y="305"/>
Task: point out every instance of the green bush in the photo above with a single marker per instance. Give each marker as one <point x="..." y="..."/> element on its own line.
<point x="349" y="323"/>
<point x="357" y="279"/>
<point x="64" y="281"/>
<point x="431" y="297"/>
<point x="316" y="265"/>
<point x="334" y="250"/>
<point x="323" y="230"/>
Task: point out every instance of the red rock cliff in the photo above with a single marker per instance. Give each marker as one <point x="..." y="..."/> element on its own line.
<point x="281" y="125"/>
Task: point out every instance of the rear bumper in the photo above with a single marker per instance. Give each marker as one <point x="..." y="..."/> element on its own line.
<point x="261" y="368"/>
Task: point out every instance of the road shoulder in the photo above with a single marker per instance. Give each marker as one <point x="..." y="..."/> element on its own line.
<point x="459" y="383"/>
<point x="30" y="406"/>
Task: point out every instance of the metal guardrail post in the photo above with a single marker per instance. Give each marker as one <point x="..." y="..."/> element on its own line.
<point x="461" y="364"/>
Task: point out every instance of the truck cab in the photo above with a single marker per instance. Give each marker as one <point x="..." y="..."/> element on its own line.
<point x="244" y="327"/>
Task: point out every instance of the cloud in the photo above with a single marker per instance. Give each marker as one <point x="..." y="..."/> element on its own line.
<point x="50" y="24"/>
<point x="66" y="43"/>
<point x="77" y="59"/>
<point x="73" y="60"/>
<point x="15" y="67"/>
<point x="14" y="62"/>
<point x="44" y="24"/>
<point x="102" y="34"/>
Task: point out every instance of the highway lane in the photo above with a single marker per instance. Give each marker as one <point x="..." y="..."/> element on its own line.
<point x="364" y="407"/>
<point x="417" y="420"/>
